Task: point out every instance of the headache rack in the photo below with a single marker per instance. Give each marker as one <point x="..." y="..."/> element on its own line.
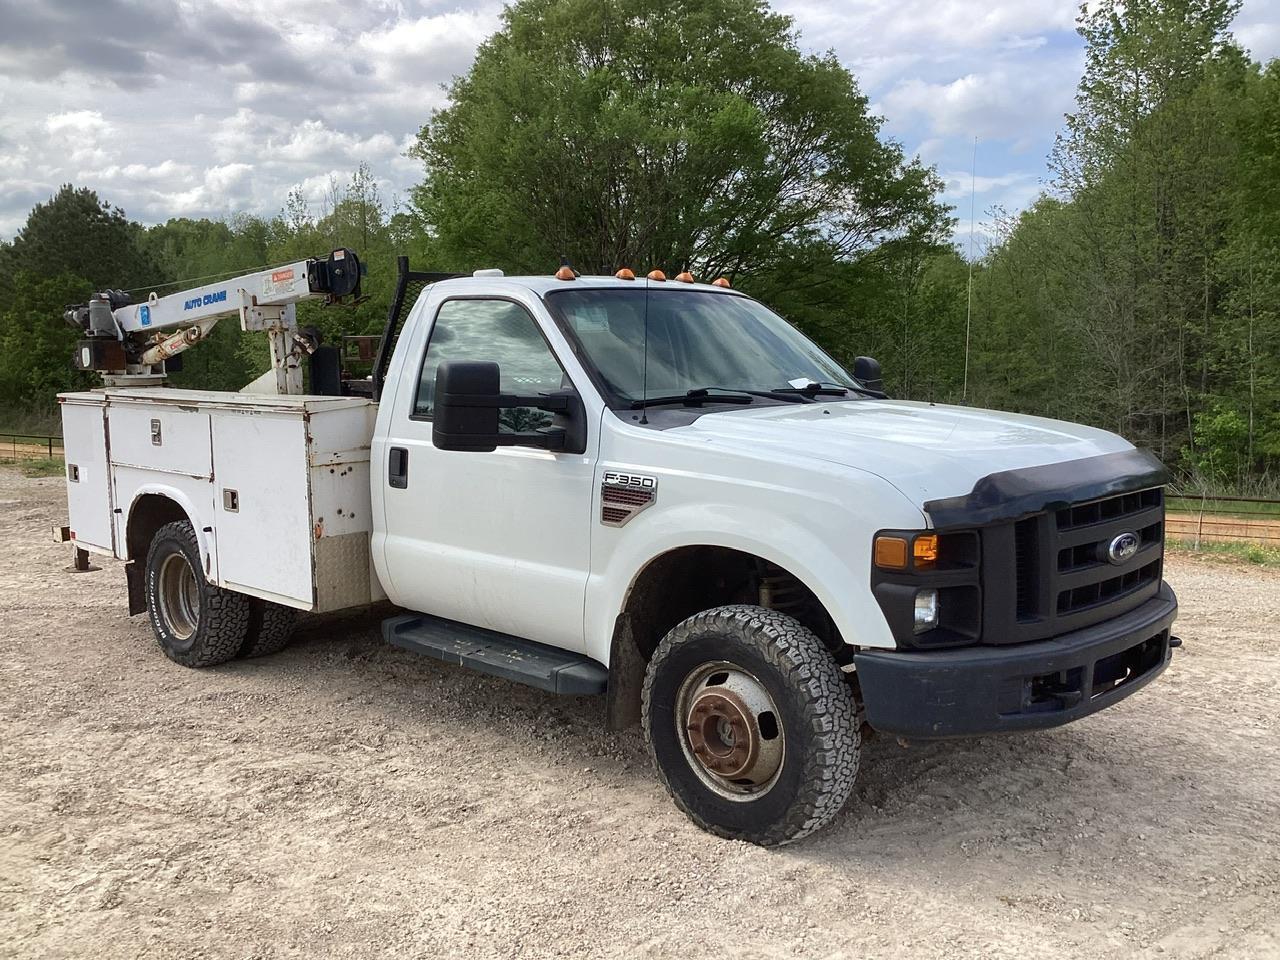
<point x="409" y="284"/>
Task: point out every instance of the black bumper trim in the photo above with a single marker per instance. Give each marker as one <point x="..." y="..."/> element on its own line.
<point x="1028" y="686"/>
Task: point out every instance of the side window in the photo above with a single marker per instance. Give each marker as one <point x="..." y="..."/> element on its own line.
<point x="492" y="330"/>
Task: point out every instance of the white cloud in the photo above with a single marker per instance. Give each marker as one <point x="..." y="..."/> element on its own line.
<point x="209" y="107"/>
<point x="311" y="140"/>
<point x="1261" y="38"/>
<point x="996" y="104"/>
<point x="927" y="28"/>
<point x="165" y="170"/>
<point x="416" y="51"/>
<point x="77" y="123"/>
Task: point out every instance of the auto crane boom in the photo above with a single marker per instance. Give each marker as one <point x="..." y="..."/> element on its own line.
<point x="129" y="343"/>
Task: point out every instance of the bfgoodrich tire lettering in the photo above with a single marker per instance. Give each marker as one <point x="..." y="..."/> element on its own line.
<point x="196" y="623"/>
<point x="817" y="716"/>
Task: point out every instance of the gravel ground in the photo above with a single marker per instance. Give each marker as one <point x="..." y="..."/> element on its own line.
<point x="347" y="799"/>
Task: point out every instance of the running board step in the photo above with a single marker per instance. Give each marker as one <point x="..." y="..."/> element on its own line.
<point x="499" y="654"/>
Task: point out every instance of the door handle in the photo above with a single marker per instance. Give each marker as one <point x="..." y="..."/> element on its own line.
<point x="398" y="468"/>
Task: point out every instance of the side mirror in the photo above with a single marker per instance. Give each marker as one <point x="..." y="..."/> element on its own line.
<point x="866" y="370"/>
<point x="467" y="404"/>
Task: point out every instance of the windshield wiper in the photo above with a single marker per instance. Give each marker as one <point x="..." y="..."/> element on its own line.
<point x="828" y="388"/>
<point x="701" y="395"/>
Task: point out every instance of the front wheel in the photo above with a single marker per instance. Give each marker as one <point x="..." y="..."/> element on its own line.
<point x="751" y="724"/>
<point x="196" y="623"/>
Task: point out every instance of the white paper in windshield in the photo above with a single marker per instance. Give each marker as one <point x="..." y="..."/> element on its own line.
<point x="590" y="319"/>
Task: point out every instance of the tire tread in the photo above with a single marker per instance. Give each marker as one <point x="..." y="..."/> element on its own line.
<point x="807" y="667"/>
<point x="270" y="629"/>
<point x="228" y="612"/>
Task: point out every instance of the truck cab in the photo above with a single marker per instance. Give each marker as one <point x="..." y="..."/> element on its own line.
<point x="659" y="491"/>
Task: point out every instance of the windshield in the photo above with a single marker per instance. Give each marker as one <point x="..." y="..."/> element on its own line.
<point x="697" y="339"/>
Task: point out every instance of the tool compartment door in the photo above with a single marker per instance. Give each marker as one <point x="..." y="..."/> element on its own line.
<point x="262" y="506"/>
<point x="159" y="436"/>
<point x="84" y="439"/>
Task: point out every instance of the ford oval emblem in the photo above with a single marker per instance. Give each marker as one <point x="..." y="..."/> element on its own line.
<point x="1123" y="548"/>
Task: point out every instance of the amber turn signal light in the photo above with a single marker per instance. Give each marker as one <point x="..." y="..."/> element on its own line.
<point x="924" y="551"/>
<point x="891" y="553"/>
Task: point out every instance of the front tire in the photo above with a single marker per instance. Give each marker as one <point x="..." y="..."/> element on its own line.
<point x="196" y="623"/>
<point x="751" y="724"/>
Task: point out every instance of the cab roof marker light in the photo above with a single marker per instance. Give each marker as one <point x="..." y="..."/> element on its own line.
<point x="720" y="282"/>
<point x="626" y="273"/>
<point x="684" y="276"/>
<point x="657" y="275"/>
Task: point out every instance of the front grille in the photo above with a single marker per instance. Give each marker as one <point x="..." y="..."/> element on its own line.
<point x="1104" y="591"/>
<point x="1026" y="567"/>
<point x="1063" y="577"/>
<point x="1112" y="508"/>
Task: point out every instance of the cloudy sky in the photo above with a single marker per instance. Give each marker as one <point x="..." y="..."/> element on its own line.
<point x="178" y="108"/>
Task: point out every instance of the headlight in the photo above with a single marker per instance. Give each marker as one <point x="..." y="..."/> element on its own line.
<point x="898" y="552"/>
<point x="926" y="612"/>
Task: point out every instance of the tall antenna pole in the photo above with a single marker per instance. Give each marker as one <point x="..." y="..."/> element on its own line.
<point x="968" y="315"/>
<point x="644" y="375"/>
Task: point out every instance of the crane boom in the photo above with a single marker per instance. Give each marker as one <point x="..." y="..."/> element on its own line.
<point x="130" y="342"/>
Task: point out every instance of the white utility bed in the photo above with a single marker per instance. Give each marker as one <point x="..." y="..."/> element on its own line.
<point x="277" y="487"/>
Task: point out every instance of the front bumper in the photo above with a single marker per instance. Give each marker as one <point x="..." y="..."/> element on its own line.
<point x="973" y="690"/>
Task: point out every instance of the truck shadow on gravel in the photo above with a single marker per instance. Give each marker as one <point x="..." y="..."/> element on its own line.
<point x="1086" y="787"/>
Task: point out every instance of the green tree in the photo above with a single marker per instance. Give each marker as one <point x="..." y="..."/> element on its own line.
<point x="36" y="347"/>
<point x="69" y="246"/>
<point x="76" y="233"/>
<point x="654" y="133"/>
<point x="1140" y="297"/>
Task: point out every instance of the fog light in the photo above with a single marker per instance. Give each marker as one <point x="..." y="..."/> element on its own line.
<point x="926" y="617"/>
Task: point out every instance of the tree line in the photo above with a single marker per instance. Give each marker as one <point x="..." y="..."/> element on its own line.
<point x="1140" y="293"/>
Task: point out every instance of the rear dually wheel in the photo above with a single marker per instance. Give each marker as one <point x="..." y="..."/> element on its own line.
<point x="196" y="623"/>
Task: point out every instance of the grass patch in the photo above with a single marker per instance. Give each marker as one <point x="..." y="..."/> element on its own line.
<point x="38" y="468"/>
<point x="1253" y="553"/>
<point x="1245" y="510"/>
<point x="41" y="423"/>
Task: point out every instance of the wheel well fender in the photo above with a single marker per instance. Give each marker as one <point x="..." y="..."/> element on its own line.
<point x="153" y="506"/>
<point x="685" y="580"/>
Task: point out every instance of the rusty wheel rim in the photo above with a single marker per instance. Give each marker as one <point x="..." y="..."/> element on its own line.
<point x="730" y="730"/>
<point x="179" y="597"/>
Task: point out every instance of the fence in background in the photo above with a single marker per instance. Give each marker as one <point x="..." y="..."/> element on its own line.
<point x="1200" y="519"/>
<point x="30" y="446"/>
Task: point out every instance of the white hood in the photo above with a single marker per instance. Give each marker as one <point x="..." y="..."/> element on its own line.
<point x="927" y="451"/>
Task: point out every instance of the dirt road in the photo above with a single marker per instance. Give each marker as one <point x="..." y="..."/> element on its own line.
<point x="347" y="799"/>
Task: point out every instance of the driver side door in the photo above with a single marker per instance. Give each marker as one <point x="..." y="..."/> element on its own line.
<point x="498" y="539"/>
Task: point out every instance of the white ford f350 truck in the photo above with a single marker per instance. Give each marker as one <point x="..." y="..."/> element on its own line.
<point x="653" y="490"/>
